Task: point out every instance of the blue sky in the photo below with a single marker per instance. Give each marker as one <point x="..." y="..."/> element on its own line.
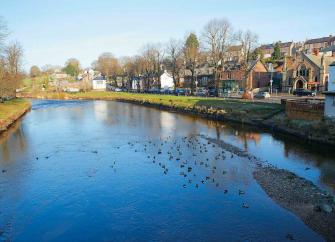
<point x="51" y="31"/>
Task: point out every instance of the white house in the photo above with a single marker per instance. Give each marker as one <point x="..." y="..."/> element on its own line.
<point x="330" y="94"/>
<point x="99" y="83"/>
<point x="166" y="80"/>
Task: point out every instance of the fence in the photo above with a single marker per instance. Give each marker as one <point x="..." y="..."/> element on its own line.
<point x="306" y="108"/>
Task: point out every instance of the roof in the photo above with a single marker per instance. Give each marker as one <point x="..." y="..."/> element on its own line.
<point x="97" y="78"/>
<point x="320" y="40"/>
<point x="235" y="48"/>
<point x="317" y="59"/>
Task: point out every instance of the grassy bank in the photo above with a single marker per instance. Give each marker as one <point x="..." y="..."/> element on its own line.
<point x="266" y="115"/>
<point x="12" y="110"/>
<point x="239" y="110"/>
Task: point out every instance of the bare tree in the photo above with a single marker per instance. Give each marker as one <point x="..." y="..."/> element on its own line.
<point x="108" y="65"/>
<point x="11" y="69"/>
<point x="175" y="52"/>
<point x="217" y="35"/>
<point x="248" y="41"/>
<point x="13" y="56"/>
<point x="3" y="32"/>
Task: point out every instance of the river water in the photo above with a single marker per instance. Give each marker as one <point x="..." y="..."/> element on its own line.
<point x="109" y="171"/>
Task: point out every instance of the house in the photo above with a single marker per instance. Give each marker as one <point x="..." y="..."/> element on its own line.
<point x="252" y="75"/>
<point x="286" y="49"/>
<point x="316" y="45"/>
<point x="330" y="94"/>
<point x="203" y="77"/>
<point x="166" y="80"/>
<point x="234" y="53"/>
<point x="308" y="71"/>
<point x="99" y="83"/>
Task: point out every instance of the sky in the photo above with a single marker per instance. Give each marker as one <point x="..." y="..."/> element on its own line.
<point x="52" y="31"/>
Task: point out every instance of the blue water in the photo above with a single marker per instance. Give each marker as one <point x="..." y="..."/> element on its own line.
<point x="102" y="171"/>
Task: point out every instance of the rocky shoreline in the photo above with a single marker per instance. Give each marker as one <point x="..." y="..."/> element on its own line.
<point x="315" y="207"/>
<point x="312" y="205"/>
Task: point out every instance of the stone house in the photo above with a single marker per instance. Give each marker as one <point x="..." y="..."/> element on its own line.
<point x="308" y="71"/>
<point x="316" y="45"/>
<point x="234" y="53"/>
<point x="204" y="77"/>
<point x="286" y="49"/>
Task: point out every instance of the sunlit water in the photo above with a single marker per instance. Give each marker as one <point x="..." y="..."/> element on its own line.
<point x="108" y="171"/>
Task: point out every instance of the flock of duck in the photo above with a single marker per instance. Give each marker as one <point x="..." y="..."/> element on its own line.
<point x="195" y="159"/>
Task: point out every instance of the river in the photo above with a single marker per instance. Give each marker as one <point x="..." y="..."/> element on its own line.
<point x="110" y="171"/>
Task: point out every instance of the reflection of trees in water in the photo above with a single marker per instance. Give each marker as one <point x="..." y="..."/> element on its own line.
<point x="12" y="141"/>
<point x="152" y="122"/>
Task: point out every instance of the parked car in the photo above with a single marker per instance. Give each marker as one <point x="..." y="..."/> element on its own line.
<point x="201" y="92"/>
<point x="117" y="89"/>
<point x="154" y="90"/>
<point x="304" y="92"/>
<point x="180" y="92"/>
<point x="211" y="92"/>
<point x="262" y="95"/>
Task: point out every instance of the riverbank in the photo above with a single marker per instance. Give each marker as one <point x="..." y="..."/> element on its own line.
<point x="261" y="114"/>
<point x="314" y="206"/>
<point x="12" y="110"/>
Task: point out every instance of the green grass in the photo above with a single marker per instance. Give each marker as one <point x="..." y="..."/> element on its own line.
<point x="235" y="108"/>
<point x="229" y="106"/>
<point x="11" y="110"/>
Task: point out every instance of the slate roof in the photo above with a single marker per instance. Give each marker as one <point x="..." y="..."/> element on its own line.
<point x="320" y="40"/>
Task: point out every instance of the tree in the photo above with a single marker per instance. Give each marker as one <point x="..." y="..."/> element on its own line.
<point x="174" y="59"/>
<point x="108" y="65"/>
<point x="248" y="41"/>
<point x="72" y="67"/>
<point x="11" y="74"/>
<point x="3" y="32"/>
<point x="191" y="54"/>
<point x="152" y="60"/>
<point x="217" y="35"/>
<point x="276" y="52"/>
<point x="35" y="71"/>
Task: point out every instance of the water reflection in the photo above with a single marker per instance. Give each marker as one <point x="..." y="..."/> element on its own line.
<point x="12" y="142"/>
<point x="124" y="172"/>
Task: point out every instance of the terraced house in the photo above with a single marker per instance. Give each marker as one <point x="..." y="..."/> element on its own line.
<point x="316" y="45"/>
<point x="285" y="49"/>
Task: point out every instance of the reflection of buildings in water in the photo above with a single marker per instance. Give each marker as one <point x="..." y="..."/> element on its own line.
<point x="12" y="142"/>
<point x="100" y="110"/>
<point x="167" y="122"/>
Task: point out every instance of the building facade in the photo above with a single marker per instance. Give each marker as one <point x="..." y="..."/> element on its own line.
<point x="316" y="45"/>
<point x="308" y="71"/>
<point x="286" y="49"/>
